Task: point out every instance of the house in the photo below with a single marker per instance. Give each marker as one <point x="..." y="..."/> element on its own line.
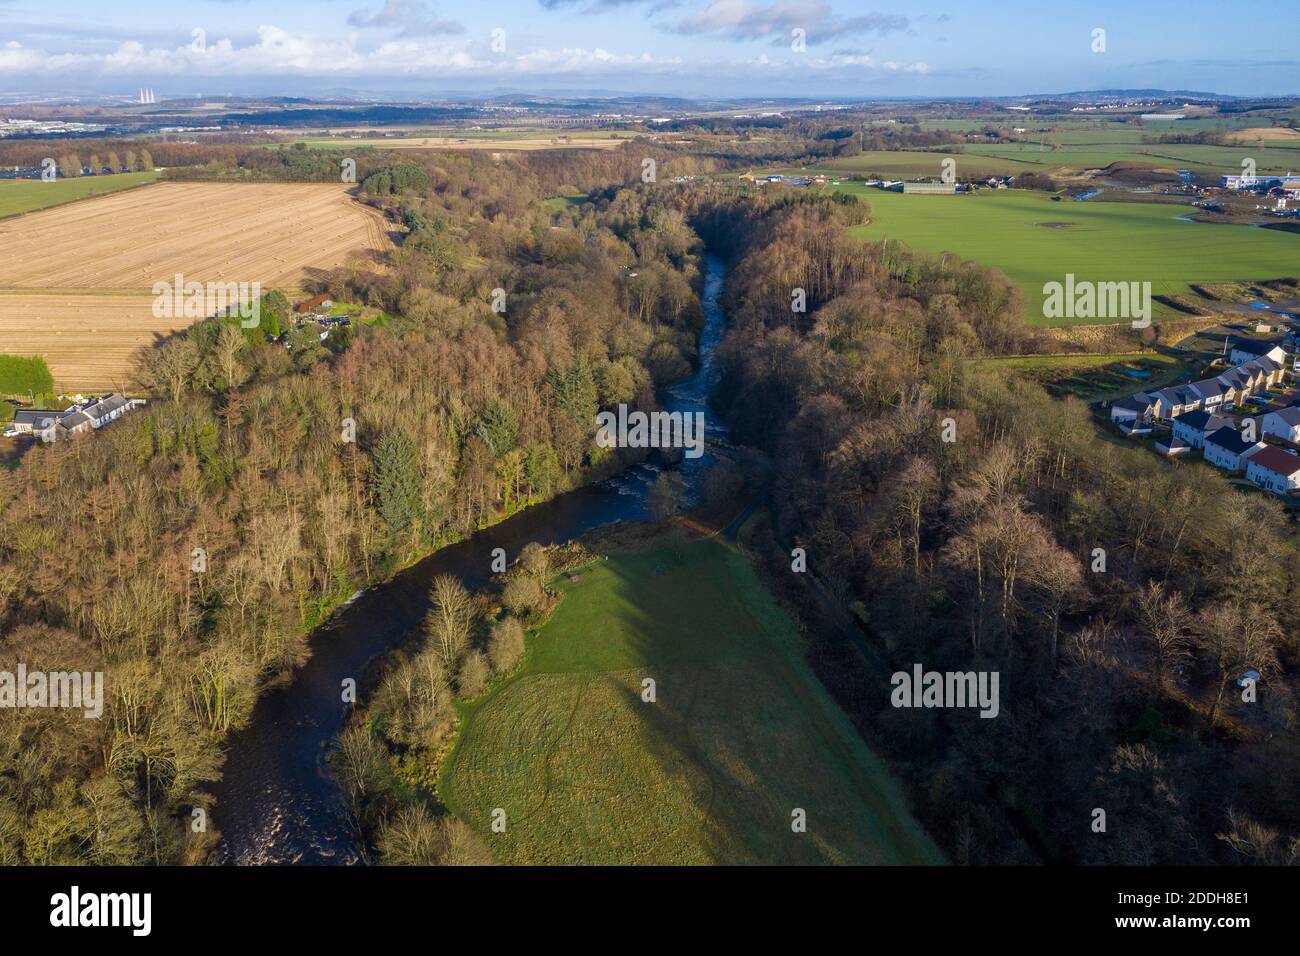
<point x="1213" y="392"/>
<point x="1246" y="350"/>
<point x="1194" y="426"/>
<point x="1133" y="413"/>
<point x="1172" y="447"/>
<point x="109" y="409"/>
<point x="1274" y="470"/>
<point x="1283" y="423"/>
<point x="1176" y="400"/>
<point x="76" y="423"/>
<point x="50" y="425"/>
<point x="1254" y="375"/>
<point x="31" y="421"/>
<point x="1226" y="448"/>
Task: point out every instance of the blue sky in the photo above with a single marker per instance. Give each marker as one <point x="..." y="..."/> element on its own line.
<point x="852" y="48"/>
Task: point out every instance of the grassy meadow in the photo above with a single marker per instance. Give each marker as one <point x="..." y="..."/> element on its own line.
<point x="1091" y="377"/>
<point x="741" y="732"/>
<point x="27" y="195"/>
<point x="1035" y="240"/>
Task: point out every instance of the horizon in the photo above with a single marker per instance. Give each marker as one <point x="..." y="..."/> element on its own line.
<point x="736" y="49"/>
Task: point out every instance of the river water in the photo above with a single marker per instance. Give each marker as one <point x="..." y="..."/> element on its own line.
<point x="277" y="801"/>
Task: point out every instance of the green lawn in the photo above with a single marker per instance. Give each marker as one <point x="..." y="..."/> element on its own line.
<point x="741" y="733"/>
<point x="1101" y="242"/>
<point x="26" y="195"/>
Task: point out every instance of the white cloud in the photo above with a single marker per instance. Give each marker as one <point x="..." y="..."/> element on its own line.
<point x="278" y="52"/>
<point x="747" y="20"/>
<point x="412" y="18"/>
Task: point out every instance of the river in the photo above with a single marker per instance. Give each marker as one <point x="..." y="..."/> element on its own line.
<point x="277" y="801"/>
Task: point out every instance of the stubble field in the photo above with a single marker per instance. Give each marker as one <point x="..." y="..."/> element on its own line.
<point x="76" y="281"/>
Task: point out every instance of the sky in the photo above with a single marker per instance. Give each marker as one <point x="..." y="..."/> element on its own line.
<point x="843" y="49"/>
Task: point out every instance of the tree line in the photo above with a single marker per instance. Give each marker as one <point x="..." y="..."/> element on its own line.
<point x="188" y="550"/>
<point x="968" y="521"/>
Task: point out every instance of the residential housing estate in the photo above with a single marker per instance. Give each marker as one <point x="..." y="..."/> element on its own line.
<point x="1198" y="416"/>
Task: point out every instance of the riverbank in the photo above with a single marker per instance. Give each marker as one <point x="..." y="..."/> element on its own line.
<point x="277" y="800"/>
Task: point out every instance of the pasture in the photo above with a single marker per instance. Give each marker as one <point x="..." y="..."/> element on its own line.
<point x="76" y="281"/>
<point x="1072" y="153"/>
<point x="1035" y="240"/>
<point x="18" y="196"/>
<point x="740" y="734"/>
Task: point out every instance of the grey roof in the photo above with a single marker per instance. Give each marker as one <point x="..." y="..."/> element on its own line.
<point x="37" y="417"/>
<point x="1131" y="404"/>
<point x="106" y="406"/>
<point x="1210" y="386"/>
<point x="1290" y="415"/>
<point x="74" y="419"/>
<point x="1230" y="440"/>
<point x="1253" y="346"/>
<point x="1236" y="378"/>
<point x="1202" y="421"/>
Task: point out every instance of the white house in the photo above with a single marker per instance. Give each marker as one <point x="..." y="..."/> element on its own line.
<point x="50" y="425"/>
<point x="1226" y="448"/>
<point x="110" y="408"/>
<point x="1247" y="350"/>
<point x="1194" y="426"/>
<point x="1133" y="413"/>
<point x="1283" y="423"/>
<point x="1274" y="470"/>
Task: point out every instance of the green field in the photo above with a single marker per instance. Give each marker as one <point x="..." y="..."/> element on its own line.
<point x="1035" y="240"/>
<point x="1076" y="152"/>
<point x="741" y="733"/>
<point x="1091" y="377"/>
<point x="27" y="195"/>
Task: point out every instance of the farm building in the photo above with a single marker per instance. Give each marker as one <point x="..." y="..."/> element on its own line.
<point x="930" y="189"/>
<point x="310" y="306"/>
<point x="1248" y="182"/>
<point x="1273" y="469"/>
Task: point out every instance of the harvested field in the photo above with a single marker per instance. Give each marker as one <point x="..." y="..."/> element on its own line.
<point x="209" y="232"/>
<point x="1264" y="133"/>
<point x="87" y="339"/>
<point x="76" y="281"/>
